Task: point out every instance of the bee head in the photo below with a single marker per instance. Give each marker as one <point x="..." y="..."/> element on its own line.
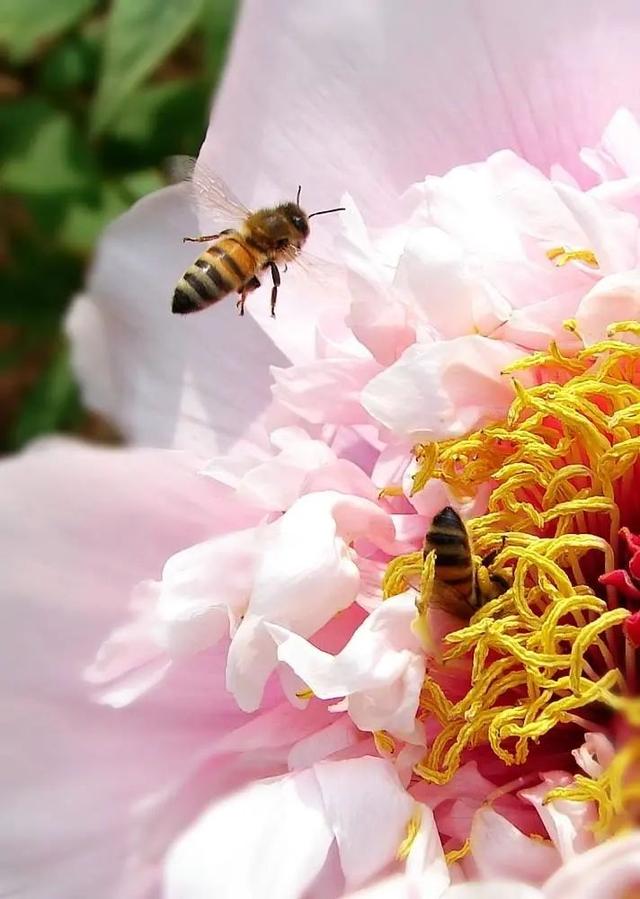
<point x="298" y="222"/>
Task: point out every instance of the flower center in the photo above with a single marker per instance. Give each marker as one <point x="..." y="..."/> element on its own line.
<point x="555" y="654"/>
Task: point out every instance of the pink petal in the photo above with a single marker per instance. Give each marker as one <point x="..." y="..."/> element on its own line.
<point x="509" y="74"/>
<point x="494" y="889"/>
<point x="81" y="527"/>
<point x="595" y="754"/>
<point x="273" y="837"/>
<point x="426" y="865"/>
<point x="304" y="553"/>
<point x="451" y="297"/>
<point x="205" y="590"/>
<point x="400" y="887"/>
<point x="501" y="850"/>
<point x="569" y="824"/>
<point x="270" y="839"/>
<point x="325" y="391"/>
<point x="618" y="150"/>
<point x="614" y="299"/>
<point x="443" y="389"/>
<point x="608" y="870"/>
<point x="336" y="737"/>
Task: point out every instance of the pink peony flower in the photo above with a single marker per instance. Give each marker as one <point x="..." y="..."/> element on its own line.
<point x="264" y="711"/>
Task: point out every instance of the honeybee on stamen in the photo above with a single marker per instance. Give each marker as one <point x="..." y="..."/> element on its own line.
<point x="461" y="585"/>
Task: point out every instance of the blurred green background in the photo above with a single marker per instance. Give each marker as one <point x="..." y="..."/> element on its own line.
<point x="93" y="97"/>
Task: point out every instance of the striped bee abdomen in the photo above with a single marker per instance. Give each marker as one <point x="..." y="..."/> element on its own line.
<point x="225" y="266"/>
<point x="448" y="538"/>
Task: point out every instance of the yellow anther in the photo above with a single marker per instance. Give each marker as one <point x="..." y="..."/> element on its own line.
<point x="454" y="855"/>
<point x="385" y="743"/>
<point x="401" y="573"/>
<point x="305" y="694"/>
<point x="391" y="490"/>
<point x="561" y="255"/>
<point x="413" y="827"/>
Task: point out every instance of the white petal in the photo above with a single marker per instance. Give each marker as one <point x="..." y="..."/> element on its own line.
<point x="306" y="574"/>
<point x="381" y="669"/>
<point x="270" y="839"/>
<point x="368" y="811"/>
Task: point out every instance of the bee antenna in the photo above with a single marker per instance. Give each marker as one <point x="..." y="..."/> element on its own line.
<point x="298" y="195"/>
<point x="325" y="211"/>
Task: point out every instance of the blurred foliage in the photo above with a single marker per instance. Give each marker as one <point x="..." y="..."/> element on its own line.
<point x="93" y="97"/>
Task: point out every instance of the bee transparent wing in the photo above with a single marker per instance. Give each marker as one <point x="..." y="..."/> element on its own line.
<point x="313" y="266"/>
<point x="211" y="196"/>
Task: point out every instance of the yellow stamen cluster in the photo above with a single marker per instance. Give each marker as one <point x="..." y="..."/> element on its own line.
<point x="561" y="465"/>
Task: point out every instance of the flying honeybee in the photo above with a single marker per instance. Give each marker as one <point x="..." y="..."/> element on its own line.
<point x="260" y="240"/>
<point x="461" y="585"/>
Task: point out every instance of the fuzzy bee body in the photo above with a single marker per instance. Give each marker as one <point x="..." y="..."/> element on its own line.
<point x="227" y="266"/>
<point x="261" y="241"/>
<point x="461" y="586"/>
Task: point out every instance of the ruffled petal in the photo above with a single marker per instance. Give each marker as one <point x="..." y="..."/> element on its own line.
<point x="305" y="553"/>
<point x="380" y="670"/>
<point x="568" y="823"/>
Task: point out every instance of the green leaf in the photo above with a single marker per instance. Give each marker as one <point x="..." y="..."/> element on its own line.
<point x="25" y="23"/>
<point x="160" y="120"/>
<point x="140" y="34"/>
<point x="217" y="24"/>
<point x="44" y="153"/>
<point x="85" y="219"/>
<point x="52" y="404"/>
<point x="36" y="283"/>
<point x="71" y="64"/>
<point x="138" y="184"/>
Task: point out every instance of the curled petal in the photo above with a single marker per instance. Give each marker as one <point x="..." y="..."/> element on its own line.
<point x="306" y="554"/>
<point x="380" y="670"/>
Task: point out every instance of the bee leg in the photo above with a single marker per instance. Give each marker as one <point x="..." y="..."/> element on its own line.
<point x="201" y="239"/>
<point x="275" y="274"/>
<point x="252" y="284"/>
<point x="207" y="236"/>
<point x="490" y="558"/>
